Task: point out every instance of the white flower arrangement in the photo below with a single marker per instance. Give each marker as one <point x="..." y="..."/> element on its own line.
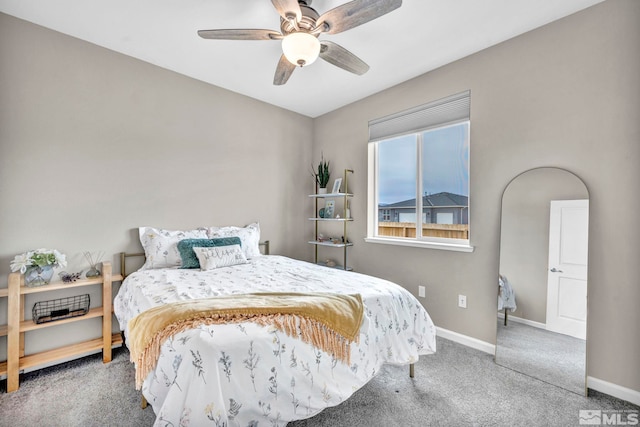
<point x="40" y="258"/>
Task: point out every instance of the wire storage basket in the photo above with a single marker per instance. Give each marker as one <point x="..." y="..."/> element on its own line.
<point x="61" y="308"/>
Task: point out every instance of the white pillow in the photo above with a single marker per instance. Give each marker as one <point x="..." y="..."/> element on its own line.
<point x="161" y="246"/>
<point x="249" y="237"/>
<point x="220" y="256"/>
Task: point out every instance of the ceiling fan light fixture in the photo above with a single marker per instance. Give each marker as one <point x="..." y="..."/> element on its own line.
<point x="301" y="48"/>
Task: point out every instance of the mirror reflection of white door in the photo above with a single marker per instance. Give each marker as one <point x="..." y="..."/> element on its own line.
<point x="567" y="276"/>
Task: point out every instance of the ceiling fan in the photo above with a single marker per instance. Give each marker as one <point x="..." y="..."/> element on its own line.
<point x="300" y="26"/>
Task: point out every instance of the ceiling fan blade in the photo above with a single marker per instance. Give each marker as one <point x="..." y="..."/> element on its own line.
<point x="283" y="71"/>
<point x="341" y="57"/>
<point x="354" y="13"/>
<point x="240" y="34"/>
<point x="288" y="9"/>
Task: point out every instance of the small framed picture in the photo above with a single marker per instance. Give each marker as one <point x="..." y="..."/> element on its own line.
<point x="336" y="185"/>
<point x="328" y="208"/>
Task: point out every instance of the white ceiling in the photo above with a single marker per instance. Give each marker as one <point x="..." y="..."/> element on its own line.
<point x="420" y="36"/>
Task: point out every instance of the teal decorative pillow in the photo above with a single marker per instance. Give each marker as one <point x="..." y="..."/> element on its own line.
<point x="189" y="258"/>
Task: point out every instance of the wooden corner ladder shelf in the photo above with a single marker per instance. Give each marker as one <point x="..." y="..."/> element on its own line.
<point x="17" y="326"/>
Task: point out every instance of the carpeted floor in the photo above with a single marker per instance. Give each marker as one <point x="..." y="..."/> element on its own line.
<point x="555" y="358"/>
<point x="458" y="386"/>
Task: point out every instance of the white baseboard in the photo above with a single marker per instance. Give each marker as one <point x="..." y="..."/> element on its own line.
<point x="523" y="321"/>
<point x="466" y="340"/>
<point x="614" y="390"/>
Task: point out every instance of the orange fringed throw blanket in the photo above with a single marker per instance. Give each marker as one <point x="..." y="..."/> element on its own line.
<point x="329" y="322"/>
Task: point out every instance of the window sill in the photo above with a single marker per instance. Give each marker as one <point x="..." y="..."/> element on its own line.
<point x="421" y="244"/>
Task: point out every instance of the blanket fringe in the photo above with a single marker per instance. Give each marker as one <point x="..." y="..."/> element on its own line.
<point x="308" y="330"/>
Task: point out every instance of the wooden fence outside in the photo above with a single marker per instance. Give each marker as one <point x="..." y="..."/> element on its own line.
<point x="408" y="229"/>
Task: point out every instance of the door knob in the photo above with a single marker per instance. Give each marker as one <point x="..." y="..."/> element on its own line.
<point x="555" y="270"/>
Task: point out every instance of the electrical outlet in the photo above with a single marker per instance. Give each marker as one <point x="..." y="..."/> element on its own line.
<point x="422" y="291"/>
<point x="462" y="301"/>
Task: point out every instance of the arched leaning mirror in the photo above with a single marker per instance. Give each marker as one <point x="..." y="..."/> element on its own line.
<point x="542" y="287"/>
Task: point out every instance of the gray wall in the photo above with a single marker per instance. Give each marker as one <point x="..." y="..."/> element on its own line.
<point x="524" y="234"/>
<point x="565" y="95"/>
<point x="94" y="144"/>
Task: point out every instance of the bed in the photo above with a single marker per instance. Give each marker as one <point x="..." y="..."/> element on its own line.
<point x="248" y="373"/>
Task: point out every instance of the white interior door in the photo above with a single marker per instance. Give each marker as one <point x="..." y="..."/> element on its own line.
<point x="567" y="276"/>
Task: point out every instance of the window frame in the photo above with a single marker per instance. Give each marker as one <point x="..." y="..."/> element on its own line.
<point x="461" y="245"/>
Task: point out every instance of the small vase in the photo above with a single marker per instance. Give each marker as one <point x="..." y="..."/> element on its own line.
<point x="92" y="272"/>
<point x="322" y="190"/>
<point x="38" y="276"/>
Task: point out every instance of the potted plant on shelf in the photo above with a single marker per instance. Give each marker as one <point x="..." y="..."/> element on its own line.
<point x="322" y="176"/>
<point x="37" y="266"/>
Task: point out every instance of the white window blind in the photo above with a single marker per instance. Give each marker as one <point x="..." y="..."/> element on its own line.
<point x="449" y="110"/>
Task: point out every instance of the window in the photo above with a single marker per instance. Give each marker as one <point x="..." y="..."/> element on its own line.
<point x="419" y="163"/>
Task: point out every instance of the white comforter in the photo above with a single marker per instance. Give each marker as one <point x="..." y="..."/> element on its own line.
<point x="248" y="375"/>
